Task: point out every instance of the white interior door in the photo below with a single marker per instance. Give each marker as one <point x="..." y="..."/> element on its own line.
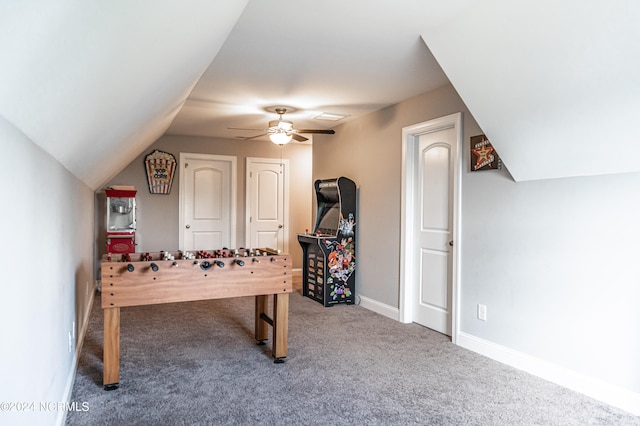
<point x="430" y="224"/>
<point x="208" y="199"/>
<point x="267" y="203"/>
<point x="432" y="296"/>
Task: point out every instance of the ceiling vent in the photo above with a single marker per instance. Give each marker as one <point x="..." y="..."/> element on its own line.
<point x="327" y="116"/>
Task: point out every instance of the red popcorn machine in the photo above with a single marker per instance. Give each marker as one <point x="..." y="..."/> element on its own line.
<point x="121" y="220"/>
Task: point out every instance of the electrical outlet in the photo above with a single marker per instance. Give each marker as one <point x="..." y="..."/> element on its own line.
<point x="482" y="312"/>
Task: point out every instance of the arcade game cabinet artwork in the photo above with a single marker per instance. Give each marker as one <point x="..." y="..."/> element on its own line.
<point x="329" y="253"/>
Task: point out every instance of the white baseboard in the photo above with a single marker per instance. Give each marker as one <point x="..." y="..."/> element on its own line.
<point x="594" y="388"/>
<point x="71" y="378"/>
<point x="380" y="308"/>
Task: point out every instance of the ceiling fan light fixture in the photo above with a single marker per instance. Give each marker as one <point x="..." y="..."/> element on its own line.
<point x="281" y="125"/>
<point x="282" y="131"/>
<point x="280" y="138"/>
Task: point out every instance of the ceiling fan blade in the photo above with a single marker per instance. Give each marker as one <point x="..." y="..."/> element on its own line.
<point x="323" y="132"/>
<point x="298" y="137"/>
<point x="249" y="138"/>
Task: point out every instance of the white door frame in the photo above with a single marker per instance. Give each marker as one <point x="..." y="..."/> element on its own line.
<point x="410" y="140"/>
<point x="285" y="199"/>
<point x="184" y="156"/>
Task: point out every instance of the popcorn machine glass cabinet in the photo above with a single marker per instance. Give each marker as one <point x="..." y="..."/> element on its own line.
<point x="121" y="214"/>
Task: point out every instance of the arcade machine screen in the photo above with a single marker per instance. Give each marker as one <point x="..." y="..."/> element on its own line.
<point x="329" y="220"/>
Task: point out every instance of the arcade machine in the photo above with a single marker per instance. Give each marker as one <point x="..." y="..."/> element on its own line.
<point x="329" y="252"/>
<point x="121" y="220"/>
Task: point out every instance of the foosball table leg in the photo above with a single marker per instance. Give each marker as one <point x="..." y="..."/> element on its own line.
<point x="280" y="326"/>
<point x="279" y="322"/>
<point x="111" y="354"/>
<point x="262" y="327"/>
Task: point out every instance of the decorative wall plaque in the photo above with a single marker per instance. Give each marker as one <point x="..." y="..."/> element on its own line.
<point x="160" y="167"/>
<point x="483" y="155"/>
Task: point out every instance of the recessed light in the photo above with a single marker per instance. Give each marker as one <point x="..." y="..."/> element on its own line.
<point x="329" y="116"/>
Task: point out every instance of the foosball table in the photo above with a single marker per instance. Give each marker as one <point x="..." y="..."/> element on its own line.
<point x="137" y="279"/>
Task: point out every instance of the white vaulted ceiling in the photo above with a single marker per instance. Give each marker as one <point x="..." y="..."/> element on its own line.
<point x="555" y="84"/>
<point x="348" y="58"/>
<point x="95" y="83"/>
<point x="552" y="83"/>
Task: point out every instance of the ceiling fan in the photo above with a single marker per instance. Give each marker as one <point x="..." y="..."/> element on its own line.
<point x="281" y="131"/>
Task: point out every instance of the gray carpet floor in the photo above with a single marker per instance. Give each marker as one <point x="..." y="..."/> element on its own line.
<point x="197" y="364"/>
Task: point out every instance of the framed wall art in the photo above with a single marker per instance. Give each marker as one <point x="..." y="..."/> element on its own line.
<point x="483" y="155"/>
<point x="160" y="167"/>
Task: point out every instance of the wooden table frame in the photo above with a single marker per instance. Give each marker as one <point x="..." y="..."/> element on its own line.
<point x="143" y="282"/>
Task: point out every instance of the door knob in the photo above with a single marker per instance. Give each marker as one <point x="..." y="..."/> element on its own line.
<point x="451" y="243"/>
<point x="188" y="226"/>
<point x="279" y="226"/>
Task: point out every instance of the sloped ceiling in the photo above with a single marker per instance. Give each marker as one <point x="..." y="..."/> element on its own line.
<point x="95" y="83"/>
<point x="342" y="57"/>
<point x="554" y="84"/>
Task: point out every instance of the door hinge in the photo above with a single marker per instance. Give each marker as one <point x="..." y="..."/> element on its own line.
<point x="250" y="174"/>
<point x="186" y="165"/>
<point x="250" y="219"/>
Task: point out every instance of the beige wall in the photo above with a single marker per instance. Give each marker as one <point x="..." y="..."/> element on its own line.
<point x="47" y="275"/>
<point x="369" y="151"/>
<point x="157" y="215"/>
<point x="554" y="261"/>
